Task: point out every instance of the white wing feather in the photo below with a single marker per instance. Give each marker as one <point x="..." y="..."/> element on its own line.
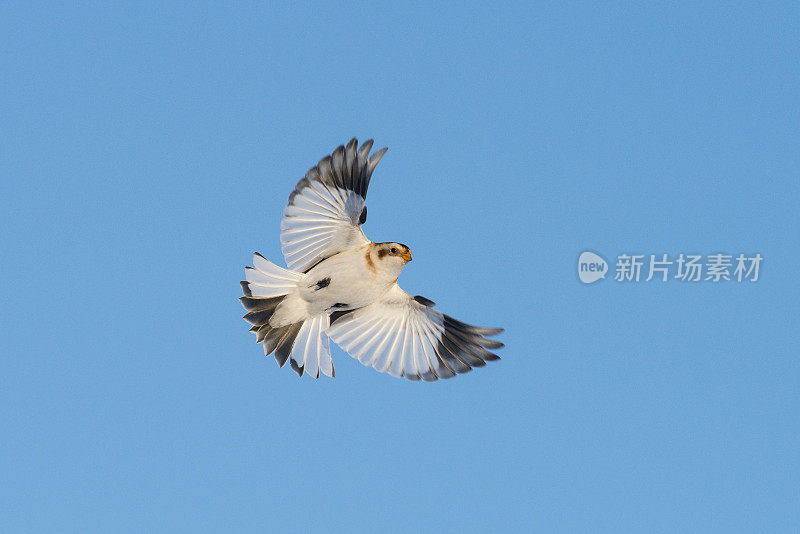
<point x="326" y="210"/>
<point x="407" y="337"/>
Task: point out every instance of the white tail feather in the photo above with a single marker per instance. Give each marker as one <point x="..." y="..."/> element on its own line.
<point x="265" y="279"/>
<point x="310" y="349"/>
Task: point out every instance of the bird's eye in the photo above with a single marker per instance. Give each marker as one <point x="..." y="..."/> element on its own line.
<point x="394" y="250"/>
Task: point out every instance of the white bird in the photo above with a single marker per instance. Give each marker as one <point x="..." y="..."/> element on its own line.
<point x="342" y="286"/>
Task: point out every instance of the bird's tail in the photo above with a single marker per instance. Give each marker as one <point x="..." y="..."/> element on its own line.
<point x="281" y="321"/>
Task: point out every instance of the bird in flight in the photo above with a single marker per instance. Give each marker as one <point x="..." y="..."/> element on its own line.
<point x="342" y="286"/>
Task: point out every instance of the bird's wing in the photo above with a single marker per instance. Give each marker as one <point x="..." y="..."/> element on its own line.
<point x="326" y="209"/>
<point x="406" y="336"/>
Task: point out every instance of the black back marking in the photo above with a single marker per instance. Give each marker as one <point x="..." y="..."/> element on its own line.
<point x="315" y="264"/>
<point x="323" y="283"/>
<point x="335" y="316"/>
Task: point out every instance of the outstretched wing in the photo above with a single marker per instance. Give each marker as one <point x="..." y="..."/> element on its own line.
<point x="406" y="336"/>
<point x="326" y="209"/>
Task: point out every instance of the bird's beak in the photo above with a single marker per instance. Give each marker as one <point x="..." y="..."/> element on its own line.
<point x="406" y="256"/>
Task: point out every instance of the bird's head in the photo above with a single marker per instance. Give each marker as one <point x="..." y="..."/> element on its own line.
<point x="391" y="258"/>
<point x="393" y="252"/>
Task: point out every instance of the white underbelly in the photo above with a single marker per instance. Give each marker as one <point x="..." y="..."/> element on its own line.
<point x="342" y="282"/>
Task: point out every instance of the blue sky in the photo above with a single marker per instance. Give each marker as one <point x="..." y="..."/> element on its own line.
<point x="148" y="150"/>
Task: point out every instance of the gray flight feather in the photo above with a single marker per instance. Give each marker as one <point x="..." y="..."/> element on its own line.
<point x="284" y="347"/>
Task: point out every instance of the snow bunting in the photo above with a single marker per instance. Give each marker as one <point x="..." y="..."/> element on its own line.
<point x="342" y="286"/>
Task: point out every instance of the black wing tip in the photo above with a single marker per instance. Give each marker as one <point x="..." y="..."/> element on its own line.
<point x="480" y="330"/>
<point x="429" y="376"/>
<point x="485" y="331"/>
<point x="410" y="377"/>
<point x="424" y="301"/>
<point x="378" y="154"/>
<point x="465" y="346"/>
<point x="335" y="169"/>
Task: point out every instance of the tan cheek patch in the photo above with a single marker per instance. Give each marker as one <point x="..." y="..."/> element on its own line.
<point x="370" y="264"/>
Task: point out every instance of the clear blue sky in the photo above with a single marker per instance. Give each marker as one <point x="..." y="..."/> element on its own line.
<point x="147" y="151"/>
